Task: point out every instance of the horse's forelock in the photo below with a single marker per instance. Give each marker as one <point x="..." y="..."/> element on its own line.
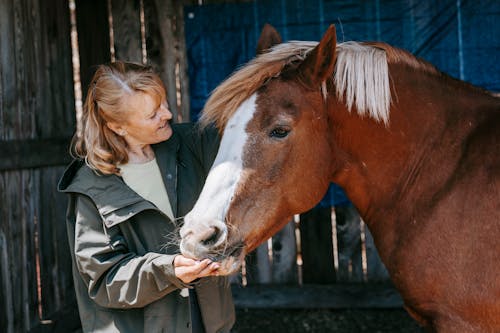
<point x="230" y="94"/>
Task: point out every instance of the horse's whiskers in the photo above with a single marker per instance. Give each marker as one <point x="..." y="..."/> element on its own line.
<point x="172" y="238"/>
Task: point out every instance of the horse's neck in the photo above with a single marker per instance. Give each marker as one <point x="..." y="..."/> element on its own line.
<point x="386" y="168"/>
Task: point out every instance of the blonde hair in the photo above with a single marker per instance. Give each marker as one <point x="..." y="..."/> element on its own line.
<point x="101" y="148"/>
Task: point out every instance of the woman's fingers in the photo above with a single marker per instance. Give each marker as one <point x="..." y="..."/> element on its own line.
<point x="180" y="260"/>
<point x="209" y="270"/>
<point x="188" y="269"/>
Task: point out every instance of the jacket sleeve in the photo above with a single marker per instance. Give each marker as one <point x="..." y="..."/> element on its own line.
<point x="116" y="277"/>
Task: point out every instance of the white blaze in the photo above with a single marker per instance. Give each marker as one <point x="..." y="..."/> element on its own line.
<point x="226" y="171"/>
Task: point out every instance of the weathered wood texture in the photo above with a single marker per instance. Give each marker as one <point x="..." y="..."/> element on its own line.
<point x="127" y="30"/>
<point x="93" y="38"/>
<point x="274" y="261"/>
<point x="317" y="247"/>
<point x="36" y="122"/>
<point x="166" y="49"/>
<point x="33" y="153"/>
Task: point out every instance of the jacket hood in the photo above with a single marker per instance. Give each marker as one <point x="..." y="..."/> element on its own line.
<point x="114" y="200"/>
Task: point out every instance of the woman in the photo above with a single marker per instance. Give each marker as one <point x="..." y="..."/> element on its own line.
<point x="133" y="176"/>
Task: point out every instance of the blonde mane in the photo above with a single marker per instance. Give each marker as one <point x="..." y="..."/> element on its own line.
<point x="361" y="78"/>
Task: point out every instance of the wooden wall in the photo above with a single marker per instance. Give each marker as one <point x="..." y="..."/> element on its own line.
<point x="36" y="123"/>
<point x="162" y="36"/>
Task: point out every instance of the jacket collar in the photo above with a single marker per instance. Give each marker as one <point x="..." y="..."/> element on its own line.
<point x="114" y="200"/>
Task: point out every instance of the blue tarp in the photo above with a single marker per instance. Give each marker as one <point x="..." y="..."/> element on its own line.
<point x="460" y="37"/>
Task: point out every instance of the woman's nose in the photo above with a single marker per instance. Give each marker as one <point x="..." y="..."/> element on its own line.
<point x="166" y="114"/>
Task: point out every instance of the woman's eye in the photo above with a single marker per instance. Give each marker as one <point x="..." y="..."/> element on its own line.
<point x="279" y="132"/>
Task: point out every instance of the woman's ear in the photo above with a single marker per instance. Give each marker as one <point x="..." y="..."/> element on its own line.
<point x="117" y="128"/>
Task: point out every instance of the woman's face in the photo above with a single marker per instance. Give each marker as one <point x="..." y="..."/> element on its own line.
<point x="147" y="120"/>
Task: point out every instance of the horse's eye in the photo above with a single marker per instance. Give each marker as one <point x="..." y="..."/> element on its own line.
<point x="279" y="132"/>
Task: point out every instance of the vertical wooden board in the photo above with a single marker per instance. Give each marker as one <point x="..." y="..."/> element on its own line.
<point x="127" y="30"/>
<point x="284" y="265"/>
<point x="55" y="259"/>
<point x="258" y="266"/>
<point x="161" y="45"/>
<point x="18" y="231"/>
<point x="8" y="90"/>
<point x="52" y="84"/>
<point x="349" y="244"/>
<point x="317" y="247"/>
<point x="185" y="109"/>
<point x="93" y="38"/>
<point x="276" y="265"/>
<point x="166" y="51"/>
<point x="6" y="301"/>
<point x="263" y="265"/>
<point x="22" y="127"/>
<point x="32" y="86"/>
<point x="39" y="85"/>
<point x="6" y="315"/>
<point x="6" y="40"/>
<point x="14" y="246"/>
<point x="29" y="205"/>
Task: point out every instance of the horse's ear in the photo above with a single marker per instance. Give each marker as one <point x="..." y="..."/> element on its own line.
<point x="268" y="38"/>
<point x="319" y="64"/>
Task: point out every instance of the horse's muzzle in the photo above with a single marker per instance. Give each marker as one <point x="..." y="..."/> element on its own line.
<point x="199" y="240"/>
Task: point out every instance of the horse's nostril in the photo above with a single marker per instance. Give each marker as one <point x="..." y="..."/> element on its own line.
<point x="212" y="239"/>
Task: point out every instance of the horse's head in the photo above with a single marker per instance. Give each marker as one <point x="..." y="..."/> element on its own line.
<point x="269" y="165"/>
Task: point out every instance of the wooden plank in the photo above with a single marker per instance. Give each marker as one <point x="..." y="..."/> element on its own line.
<point x="166" y="52"/>
<point x="127" y="30"/>
<point x="36" y="71"/>
<point x="183" y="76"/>
<point x="160" y="23"/>
<point x="36" y="101"/>
<point x="317" y="248"/>
<point x="55" y="261"/>
<point x="8" y="89"/>
<point x="34" y="153"/>
<point x="251" y="267"/>
<point x="274" y="261"/>
<point x="15" y="225"/>
<point x="284" y="265"/>
<point x="339" y="296"/>
<point x="7" y="313"/>
<point x="93" y="38"/>
<point x="349" y="244"/>
<point x="51" y="85"/>
<point x="23" y="34"/>
<point x="262" y="266"/>
<point x="29" y="202"/>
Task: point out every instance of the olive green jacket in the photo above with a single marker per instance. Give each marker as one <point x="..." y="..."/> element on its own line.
<point x="123" y="246"/>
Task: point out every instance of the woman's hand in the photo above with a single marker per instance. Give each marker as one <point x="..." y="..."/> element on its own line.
<point x="188" y="270"/>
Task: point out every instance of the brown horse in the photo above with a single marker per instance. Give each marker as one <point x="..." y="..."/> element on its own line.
<point x="416" y="151"/>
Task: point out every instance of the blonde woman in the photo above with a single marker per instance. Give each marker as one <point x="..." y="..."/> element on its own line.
<point x="134" y="176"/>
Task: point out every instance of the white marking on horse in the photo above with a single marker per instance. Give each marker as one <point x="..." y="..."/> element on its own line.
<point x="225" y="173"/>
